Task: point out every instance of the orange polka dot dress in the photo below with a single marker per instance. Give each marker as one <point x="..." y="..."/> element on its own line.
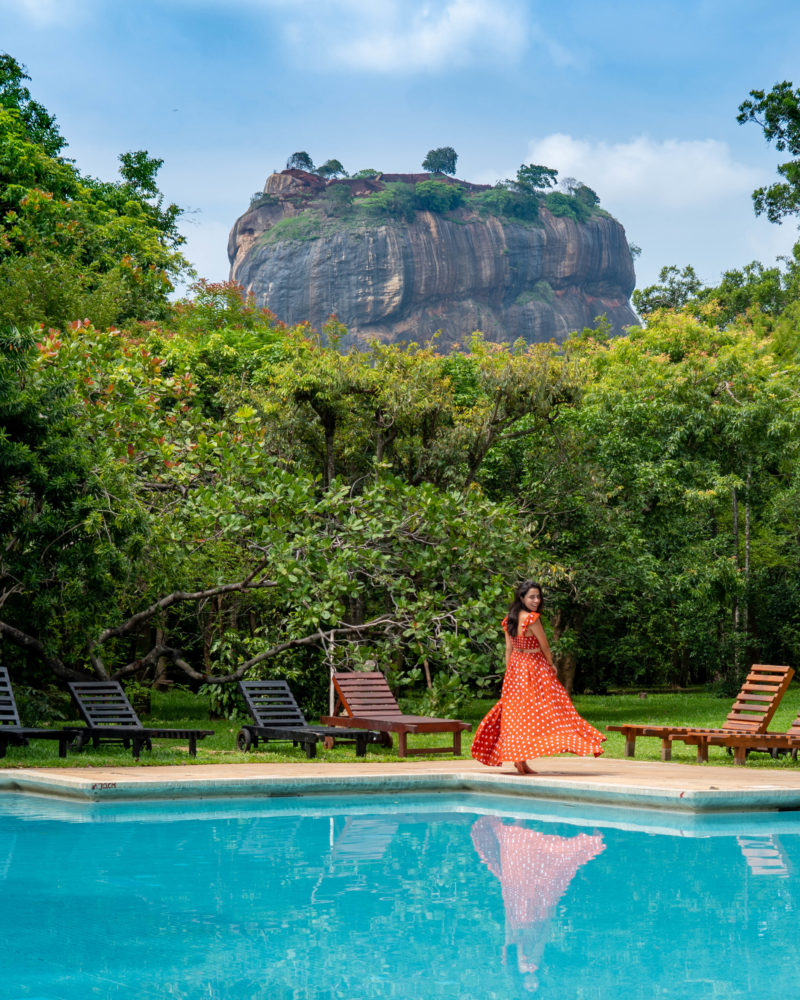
<point x="534" y="717"/>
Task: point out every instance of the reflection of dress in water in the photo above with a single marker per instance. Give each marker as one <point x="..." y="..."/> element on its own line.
<point x="535" y="870"/>
<point x="534" y="717"/>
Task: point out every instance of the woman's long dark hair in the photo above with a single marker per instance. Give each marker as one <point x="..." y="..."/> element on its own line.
<point x="516" y="605"/>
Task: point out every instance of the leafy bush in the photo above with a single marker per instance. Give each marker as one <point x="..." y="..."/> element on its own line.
<point x="261" y="198"/>
<point x="299" y="228"/>
<point x="396" y="201"/>
<point x="436" y="196"/>
<point x="542" y="291"/>
<point x="337" y="200"/>
<point x="41" y="706"/>
<point x="512" y="204"/>
<point x="566" y="206"/>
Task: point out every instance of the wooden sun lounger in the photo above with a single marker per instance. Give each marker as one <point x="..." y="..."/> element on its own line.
<point x="742" y="743"/>
<point x="751" y="713"/>
<point x="367" y="701"/>
<point x="277" y="716"/>
<point x="110" y="718"/>
<point x="13" y="733"/>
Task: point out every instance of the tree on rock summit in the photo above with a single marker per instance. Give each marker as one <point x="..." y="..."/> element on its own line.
<point x="300" y="161"/>
<point x="441" y="160"/>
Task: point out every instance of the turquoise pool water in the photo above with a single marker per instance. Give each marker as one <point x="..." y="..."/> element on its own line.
<point x="409" y="896"/>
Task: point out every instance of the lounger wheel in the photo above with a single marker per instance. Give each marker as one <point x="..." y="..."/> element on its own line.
<point x="244" y="740"/>
<point x="385" y="740"/>
<point x="329" y="742"/>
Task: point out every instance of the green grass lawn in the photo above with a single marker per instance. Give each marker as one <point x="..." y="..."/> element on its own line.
<point x="181" y="709"/>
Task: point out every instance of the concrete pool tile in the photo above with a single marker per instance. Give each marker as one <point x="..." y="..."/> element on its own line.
<point x="619" y="782"/>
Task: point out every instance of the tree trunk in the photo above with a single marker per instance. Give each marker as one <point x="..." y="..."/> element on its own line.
<point x="735" y="519"/>
<point x="566" y="663"/>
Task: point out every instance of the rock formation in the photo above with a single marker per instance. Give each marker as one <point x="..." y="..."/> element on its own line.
<point x="397" y="280"/>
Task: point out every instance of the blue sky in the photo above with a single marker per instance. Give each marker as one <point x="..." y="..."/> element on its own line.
<point x="636" y="99"/>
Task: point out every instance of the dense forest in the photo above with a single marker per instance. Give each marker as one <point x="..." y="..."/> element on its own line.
<point x="190" y="487"/>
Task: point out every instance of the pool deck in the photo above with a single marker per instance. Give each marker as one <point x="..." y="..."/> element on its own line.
<point x="639" y="784"/>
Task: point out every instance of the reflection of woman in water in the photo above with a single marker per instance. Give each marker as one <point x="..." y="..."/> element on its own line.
<point x="534" y="717"/>
<point x="535" y="870"/>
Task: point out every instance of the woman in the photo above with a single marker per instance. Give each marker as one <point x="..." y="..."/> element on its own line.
<point x="534" y="717"/>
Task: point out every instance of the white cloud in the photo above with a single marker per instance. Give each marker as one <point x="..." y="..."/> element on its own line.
<point x="677" y="173"/>
<point x="432" y="38"/>
<point x="405" y="36"/>
<point x="682" y="201"/>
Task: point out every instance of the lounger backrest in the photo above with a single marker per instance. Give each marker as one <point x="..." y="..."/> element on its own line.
<point x="366" y="695"/>
<point x="9" y="716"/>
<point x="759" y="697"/>
<point x="104" y="703"/>
<point x="271" y="703"/>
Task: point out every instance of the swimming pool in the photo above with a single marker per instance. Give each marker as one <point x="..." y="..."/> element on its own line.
<point x="414" y="896"/>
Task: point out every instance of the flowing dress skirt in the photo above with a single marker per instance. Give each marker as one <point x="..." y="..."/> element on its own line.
<point x="534" y="717"/>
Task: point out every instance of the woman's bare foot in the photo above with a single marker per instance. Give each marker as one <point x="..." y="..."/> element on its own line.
<point x="522" y="767"/>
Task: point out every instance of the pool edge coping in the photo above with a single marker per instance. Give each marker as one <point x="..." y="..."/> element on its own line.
<point x="91" y="790"/>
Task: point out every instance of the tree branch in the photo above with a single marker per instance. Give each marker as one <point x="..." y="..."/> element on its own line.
<point x="181" y="595"/>
<point x="176" y="655"/>
<point x="32" y="645"/>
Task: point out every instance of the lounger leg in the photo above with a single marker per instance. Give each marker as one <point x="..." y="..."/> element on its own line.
<point x="702" y="751"/>
<point x="457" y="743"/>
<point x="137" y="747"/>
<point x="361" y="746"/>
<point x="3" y="745"/>
<point x="740" y="756"/>
<point x="630" y="744"/>
<point x="666" y="750"/>
<point x="62" y="746"/>
<point x="192" y="746"/>
<point x="311" y="749"/>
<point x="401" y="744"/>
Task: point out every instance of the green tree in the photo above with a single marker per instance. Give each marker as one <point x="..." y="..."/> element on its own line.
<point x="778" y="114"/>
<point x="300" y="161"/>
<point x="441" y="160"/>
<point x="331" y="168"/>
<point x="677" y="287"/>
<point x="40" y="126"/>
<point x="585" y="195"/>
<point x="532" y="178"/>
<point x="72" y="246"/>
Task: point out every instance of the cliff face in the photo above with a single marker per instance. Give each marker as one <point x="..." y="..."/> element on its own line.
<point x="455" y="272"/>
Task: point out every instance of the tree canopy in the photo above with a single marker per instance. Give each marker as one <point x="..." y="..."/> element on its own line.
<point x="72" y="246"/>
<point x="440" y="161"/>
<point x="778" y="114"/>
<point x="300" y="161"/>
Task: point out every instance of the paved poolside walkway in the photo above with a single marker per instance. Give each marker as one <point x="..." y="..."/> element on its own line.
<point x="614" y="782"/>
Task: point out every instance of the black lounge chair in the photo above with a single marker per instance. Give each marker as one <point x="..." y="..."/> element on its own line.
<point x="277" y="716"/>
<point x="110" y="718"/>
<point x="13" y="733"/>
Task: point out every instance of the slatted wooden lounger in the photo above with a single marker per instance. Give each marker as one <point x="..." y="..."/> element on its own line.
<point x="742" y="743"/>
<point x="367" y="701"/>
<point x="751" y="713"/>
<point x="13" y="733"/>
<point x="110" y="718"/>
<point x="277" y="716"/>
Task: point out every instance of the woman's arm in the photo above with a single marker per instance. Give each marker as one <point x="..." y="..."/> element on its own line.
<point x="541" y="638"/>
<point x="508" y="649"/>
